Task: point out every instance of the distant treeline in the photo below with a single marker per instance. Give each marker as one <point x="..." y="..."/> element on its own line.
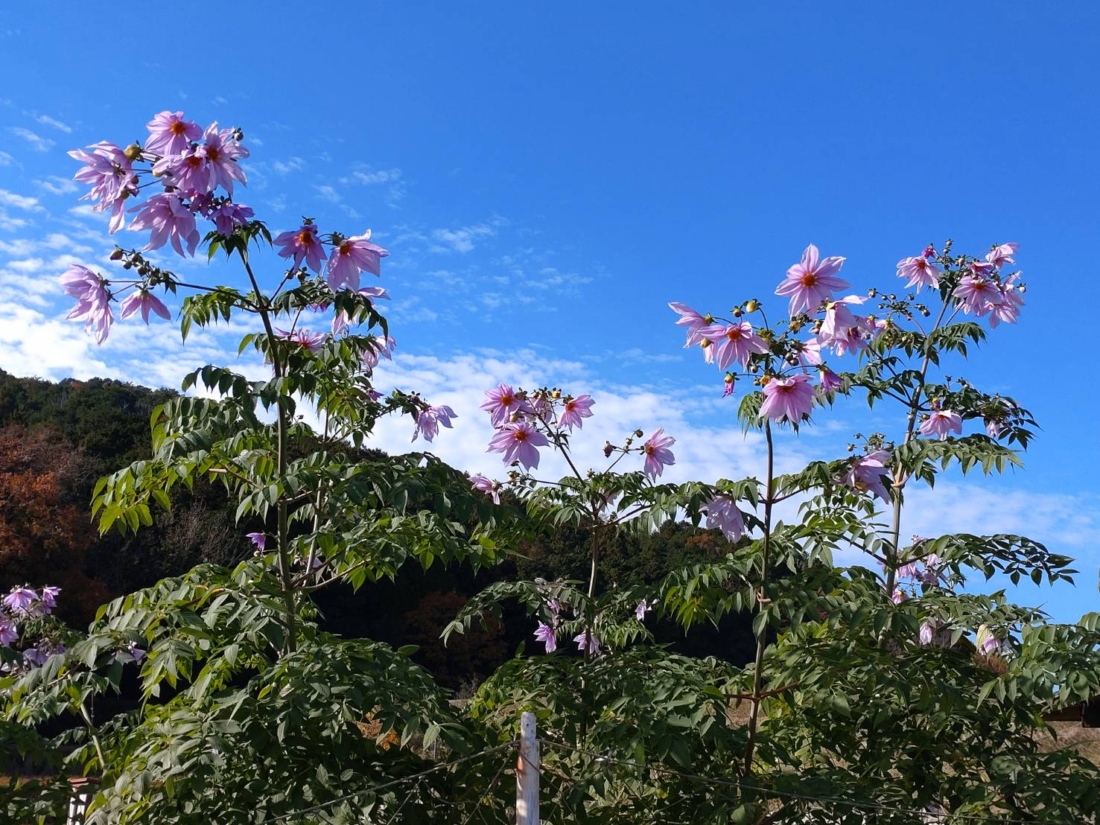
<point x="58" y="439"/>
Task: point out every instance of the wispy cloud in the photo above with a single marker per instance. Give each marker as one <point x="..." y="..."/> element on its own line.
<point x="37" y="142"/>
<point x="462" y="239"/>
<point x="56" y="185"/>
<point x="19" y="201"/>
<point x="7" y="160"/>
<point x="285" y="167"/>
<point x="46" y="120"/>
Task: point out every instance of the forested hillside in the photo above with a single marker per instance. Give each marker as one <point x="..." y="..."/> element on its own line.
<point x="58" y="439"/>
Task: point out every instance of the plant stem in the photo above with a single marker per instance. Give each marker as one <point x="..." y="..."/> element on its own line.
<point x="290" y="619"/>
<point x="761" y="634"/>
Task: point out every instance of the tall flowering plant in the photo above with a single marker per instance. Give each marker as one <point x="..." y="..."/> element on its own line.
<point x="861" y="675"/>
<point x="228" y="654"/>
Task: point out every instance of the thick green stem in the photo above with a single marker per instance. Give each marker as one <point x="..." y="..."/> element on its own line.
<point x="290" y="618"/>
<point x="761" y="634"/>
<point x="893" y="552"/>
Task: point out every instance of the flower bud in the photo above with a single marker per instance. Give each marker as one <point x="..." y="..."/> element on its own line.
<point x="736" y="312"/>
<point x="752" y="306"/>
<point x="132" y="152"/>
<point x="117" y="254"/>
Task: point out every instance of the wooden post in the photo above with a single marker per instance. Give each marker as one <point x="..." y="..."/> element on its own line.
<point x="527" y="773"/>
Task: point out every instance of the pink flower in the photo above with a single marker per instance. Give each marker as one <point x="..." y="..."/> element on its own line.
<point x="574" y="410"/>
<point x="379" y="347"/>
<point x="692" y="320"/>
<point x="898" y="596"/>
<point x="108" y="171"/>
<point x="222" y="152"/>
<point x="1008" y="310"/>
<point x="93" y="301"/>
<point x="545" y="633"/>
<point x="791" y="398"/>
<point x="941" y="423"/>
<point x="143" y="300"/>
<point x="518" y="442"/>
<point x="352" y="256"/>
<point x="978" y="294"/>
<point x="302" y="244"/>
<point x="188" y="172"/>
<point x="49" y="597"/>
<point x="136" y="653"/>
<point x="428" y="421"/>
<point x="722" y="514"/>
<point x="920" y="271"/>
<point x="868" y="473"/>
<point x="812" y="281"/>
<point x="829" y="381"/>
<point x="842" y="330"/>
<point x="733" y="342"/>
<point x="502" y="403"/>
<point x="169" y="220"/>
<point x="486" y="485"/>
<point x="340" y="321"/>
<point x="228" y="216"/>
<point x="927" y="633"/>
<point x="1001" y="255"/>
<point x="20" y="599"/>
<point x="306" y="339"/>
<point x="641" y="609"/>
<point x="587" y="643"/>
<point x="8" y="634"/>
<point x="657" y="453"/>
<point x="258" y="540"/>
<point x="170" y="134"/>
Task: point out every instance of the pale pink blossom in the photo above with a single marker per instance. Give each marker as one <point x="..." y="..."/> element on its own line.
<point x="19" y="600"/>
<point x="920" y="271"/>
<point x="829" y="382"/>
<point x="518" y="442"/>
<point x="1008" y="310"/>
<point x="942" y="423"/>
<point x="486" y="485"/>
<point x="587" y="643"/>
<point x="227" y="216"/>
<point x="49" y="597"/>
<point x="302" y="244"/>
<point x="502" y="403"/>
<point x="170" y="220"/>
<point x="574" y="410"/>
<point x="170" y="134"/>
<point x="108" y="171"/>
<point x="811" y="281"/>
<point x="867" y="473"/>
<point x="258" y="540"/>
<point x="723" y="514"/>
<point x="188" y="172"/>
<point x="657" y="453"/>
<point x="143" y="300"/>
<point x="8" y="633"/>
<point x="1001" y="255"/>
<point x="378" y="347"/>
<point x="306" y="339"/>
<point x="733" y="343"/>
<point x="222" y="152"/>
<point x="641" y="609"/>
<point x="352" y="256"/>
<point x="545" y="633"/>
<point x="93" y="300"/>
<point x="428" y="421"/>
<point x="692" y="320"/>
<point x="791" y="398"/>
<point x="978" y="294"/>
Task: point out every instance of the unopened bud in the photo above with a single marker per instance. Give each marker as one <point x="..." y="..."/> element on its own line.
<point x="117" y="254"/>
<point x="752" y="306"/>
<point x="132" y="152"/>
<point x="736" y="312"/>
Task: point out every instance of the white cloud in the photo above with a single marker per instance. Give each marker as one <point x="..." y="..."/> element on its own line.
<point x="7" y="160"/>
<point x="46" y="120"/>
<point x="285" y="167"/>
<point x="461" y="240"/>
<point x="328" y="193"/>
<point x="19" y="201"/>
<point x="11" y="224"/>
<point x="56" y="185"/>
<point x="38" y="143"/>
<point x="378" y="176"/>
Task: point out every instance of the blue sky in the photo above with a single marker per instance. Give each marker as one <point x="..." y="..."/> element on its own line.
<point x="548" y="177"/>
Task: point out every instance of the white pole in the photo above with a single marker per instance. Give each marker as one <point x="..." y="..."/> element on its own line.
<point x="527" y="773"/>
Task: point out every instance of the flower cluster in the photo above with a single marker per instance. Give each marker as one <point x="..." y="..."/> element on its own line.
<point x="23" y="604"/>
<point x="194" y="171"/>
<point x="783" y="364"/>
